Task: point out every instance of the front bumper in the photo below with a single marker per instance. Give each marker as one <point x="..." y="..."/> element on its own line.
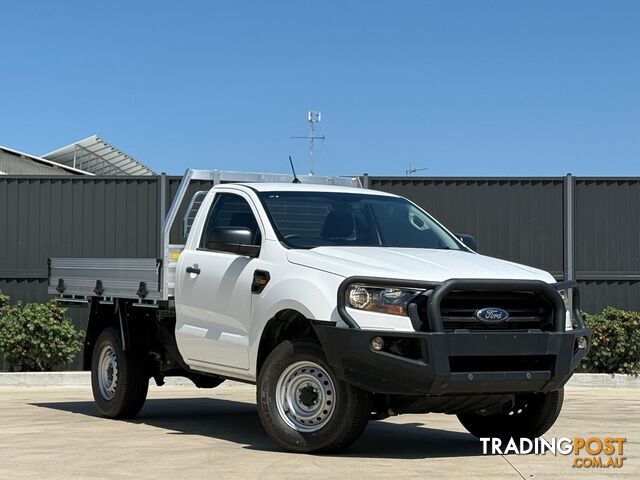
<point x="462" y="363"/>
<point x="349" y="353"/>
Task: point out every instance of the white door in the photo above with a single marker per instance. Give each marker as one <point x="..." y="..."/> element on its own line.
<point x="213" y="298"/>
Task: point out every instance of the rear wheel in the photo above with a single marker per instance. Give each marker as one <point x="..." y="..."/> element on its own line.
<point x="303" y="406"/>
<point x="118" y="378"/>
<point x="530" y="417"/>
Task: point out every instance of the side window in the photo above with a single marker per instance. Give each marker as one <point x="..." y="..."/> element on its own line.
<point x="230" y="210"/>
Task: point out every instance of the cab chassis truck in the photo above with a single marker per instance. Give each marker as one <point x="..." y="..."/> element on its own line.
<point x="341" y="304"/>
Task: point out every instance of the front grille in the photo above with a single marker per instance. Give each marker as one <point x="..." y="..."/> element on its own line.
<point x="527" y="311"/>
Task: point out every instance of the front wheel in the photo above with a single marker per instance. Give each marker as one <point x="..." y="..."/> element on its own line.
<point x="529" y="417"/>
<point x="303" y="406"/>
<point x="118" y="378"/>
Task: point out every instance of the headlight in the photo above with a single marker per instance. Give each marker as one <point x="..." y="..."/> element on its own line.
<point x="388" y="300"/>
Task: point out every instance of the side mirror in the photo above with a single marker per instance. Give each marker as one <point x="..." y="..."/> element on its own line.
<point x="237" y="240"/>
<point x="469" y="241"/>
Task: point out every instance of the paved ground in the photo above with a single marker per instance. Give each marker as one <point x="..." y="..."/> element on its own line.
<point x="188" y="433"/>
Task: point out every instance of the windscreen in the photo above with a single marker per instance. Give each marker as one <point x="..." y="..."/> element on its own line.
<point x="317" y="219"/>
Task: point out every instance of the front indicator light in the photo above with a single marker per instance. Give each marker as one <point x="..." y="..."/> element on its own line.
<point x="581" y="343"/>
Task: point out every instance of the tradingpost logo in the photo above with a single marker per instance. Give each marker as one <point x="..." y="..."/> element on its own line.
<point x="590" y="452"/>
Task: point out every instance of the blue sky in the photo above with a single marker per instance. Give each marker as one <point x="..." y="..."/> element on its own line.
<point x="467" y="88"/>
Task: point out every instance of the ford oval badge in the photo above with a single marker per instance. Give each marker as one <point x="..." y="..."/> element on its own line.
<point x="492" y="315"/>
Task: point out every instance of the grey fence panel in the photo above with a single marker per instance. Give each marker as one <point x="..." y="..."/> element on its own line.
<point x="78" y="216"/>
<point x="42" y="217"/>
<point x="26" y="290"/>
<point x="606" y="225"/>
<point x="598" y="294"/>
<point x="607" y="241"/>
<point x="518" y="219"/>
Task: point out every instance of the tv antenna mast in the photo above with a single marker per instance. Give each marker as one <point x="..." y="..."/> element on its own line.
<point x="410" y="171"/>
<point x="313" y="118"/>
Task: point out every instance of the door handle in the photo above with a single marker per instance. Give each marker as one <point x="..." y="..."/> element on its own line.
<point x="193" y="269"/>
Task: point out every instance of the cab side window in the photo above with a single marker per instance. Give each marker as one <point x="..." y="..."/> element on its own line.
<point x="230" y="210"/>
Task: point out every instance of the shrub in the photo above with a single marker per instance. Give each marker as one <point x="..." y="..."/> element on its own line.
<point x="615" y="347"/>
<point x="37" y="337"/>
<point x="4" y="302"/>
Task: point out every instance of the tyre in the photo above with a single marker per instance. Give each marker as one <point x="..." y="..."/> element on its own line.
<point x="530" y="417"/>
<point x="303" y="406"/>
<point x="118" y="378"/>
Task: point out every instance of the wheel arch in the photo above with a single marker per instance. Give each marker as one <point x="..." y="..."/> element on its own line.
<point x="101" y="316"/>
<point x="286" y="324"/>
<point x="116" y="315"/>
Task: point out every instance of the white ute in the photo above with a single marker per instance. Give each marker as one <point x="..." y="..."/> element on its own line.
<point x="341" y="304"/>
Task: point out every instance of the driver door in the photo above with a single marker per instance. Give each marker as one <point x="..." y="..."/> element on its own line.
<point x="213" y="295"/>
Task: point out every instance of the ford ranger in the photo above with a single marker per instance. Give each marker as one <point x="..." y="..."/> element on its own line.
<point x="342" y="304"/>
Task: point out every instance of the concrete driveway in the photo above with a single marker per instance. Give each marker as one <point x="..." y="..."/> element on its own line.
<point x="188" y="433"/>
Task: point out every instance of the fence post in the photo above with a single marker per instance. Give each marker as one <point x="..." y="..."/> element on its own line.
<point x="569" y="247"/>
<point x="366" y="180"/>
<point x="162" y="211"/>
<point x="569" y="227"/>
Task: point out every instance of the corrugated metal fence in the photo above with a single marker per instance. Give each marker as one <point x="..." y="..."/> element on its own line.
<point x="44" y="217"/>
<point x="607" y="241"/>
<point x="583" y="228"/>
<point x="517" y="219"/>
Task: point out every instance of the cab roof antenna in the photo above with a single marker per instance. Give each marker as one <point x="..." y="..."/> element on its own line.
<point x="295" y="177"/>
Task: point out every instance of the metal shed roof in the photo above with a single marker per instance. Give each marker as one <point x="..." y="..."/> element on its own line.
<point x="99" y="157"/>
<point x="43" y="161"/>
